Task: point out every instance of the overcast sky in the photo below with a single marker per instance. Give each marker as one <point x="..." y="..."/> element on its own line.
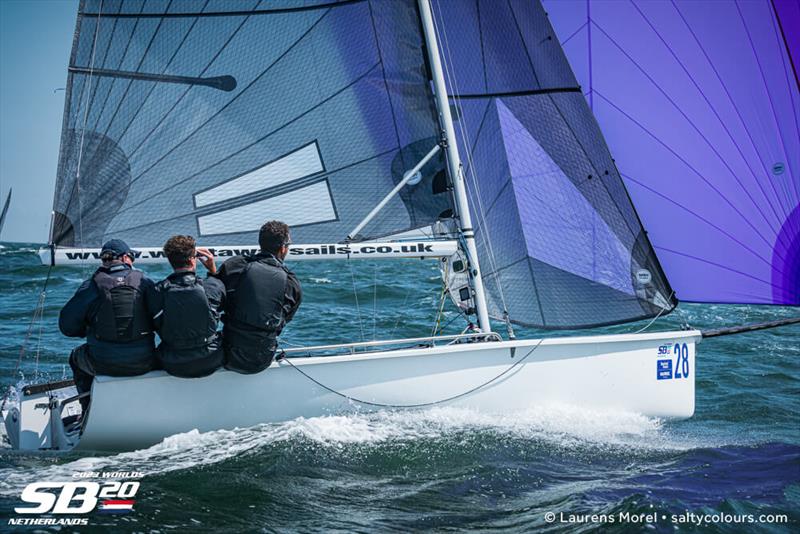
<point x="35" y="41"/>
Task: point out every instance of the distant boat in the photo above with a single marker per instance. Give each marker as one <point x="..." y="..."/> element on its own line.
<point x="335" y="116"/>
<point x="5" y="212"/>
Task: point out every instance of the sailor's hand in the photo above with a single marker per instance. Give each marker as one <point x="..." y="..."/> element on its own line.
<point x="207" y="259"/>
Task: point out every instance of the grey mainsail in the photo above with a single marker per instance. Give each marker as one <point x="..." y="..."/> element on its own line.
<point x="209" y="117"/>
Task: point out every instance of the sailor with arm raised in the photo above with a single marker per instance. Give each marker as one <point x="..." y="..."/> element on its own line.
<point x="186" y="311"/>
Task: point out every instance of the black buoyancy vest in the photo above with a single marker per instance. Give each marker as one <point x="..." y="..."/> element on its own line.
<point x="259" y="295"/>
<point x="121" y="314"/>
<point x="188" y="320"/>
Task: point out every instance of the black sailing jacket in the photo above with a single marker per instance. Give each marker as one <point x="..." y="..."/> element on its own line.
<point x="86" y="314"/>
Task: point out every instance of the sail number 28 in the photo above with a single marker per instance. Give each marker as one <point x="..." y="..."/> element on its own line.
<point x="681" y="352"/>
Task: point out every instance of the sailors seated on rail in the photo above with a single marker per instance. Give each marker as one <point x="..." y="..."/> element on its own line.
<point x="186" y="311"/>
<point x="110" y="311"/>
<point x="262" y="297"/>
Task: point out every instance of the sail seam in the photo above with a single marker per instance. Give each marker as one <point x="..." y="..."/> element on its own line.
<point x="279" y="128"/>
<point x="163" y="71"/>
<point x="722" y="123"/>
<point x="757" y="279"/>
<point x="522" y="40"/>
<point x="711" y="224"/>
<point x="233" y="99"/>
<point x="138" y="66"/>
<point x="181" y="97"/>
<point x="385" y="81"/>
<point x="275" y="11"/>
<point x="278" y="190"/>
<point x="597" y="172"/>
<point x="478" y="133"/>
<point x="694" y="170"/>
<point x="697" y="129"/>
<point x="528" y="92"/>
<point x="113" y="83"/>
<point x="480" y="38"/>
<point x="723" y="85"/>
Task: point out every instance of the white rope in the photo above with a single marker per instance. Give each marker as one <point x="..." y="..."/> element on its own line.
<point x="653" y="320"/>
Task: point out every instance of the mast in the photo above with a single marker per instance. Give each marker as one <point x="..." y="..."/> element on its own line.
<point x="454" y="162"/>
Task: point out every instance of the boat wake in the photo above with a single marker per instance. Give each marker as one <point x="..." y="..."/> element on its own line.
<point x="566" y="429"/>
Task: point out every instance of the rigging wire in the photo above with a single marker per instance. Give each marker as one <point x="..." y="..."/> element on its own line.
<point x="653" y="320"/>
<point x="38" y="313"/>
<point x="282" y="358"/>
<point x="451" y="76"/>
<point x="374" y="299"/>
<point x="355" y="294"/>
<point x="442" y="299"/>
<point x="83" y="130"/>
<point x="453" y="319"/>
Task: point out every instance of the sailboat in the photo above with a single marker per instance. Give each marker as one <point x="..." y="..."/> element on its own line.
<point x="395" y="129"/>
<point x="5" y="211"/>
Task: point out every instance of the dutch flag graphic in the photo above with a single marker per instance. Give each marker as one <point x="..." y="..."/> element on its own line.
<point x="116" y="507"/>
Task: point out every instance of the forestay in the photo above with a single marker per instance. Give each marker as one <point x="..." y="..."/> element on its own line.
<point x="700" y="105"/>
<point x="209" y="117"/>
<point x="560" y="243"/>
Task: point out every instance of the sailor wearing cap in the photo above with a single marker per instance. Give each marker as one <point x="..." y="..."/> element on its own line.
<point x="110" y="311"/>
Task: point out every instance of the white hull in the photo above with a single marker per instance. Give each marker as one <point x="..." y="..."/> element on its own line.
<point x="615" y="372"/>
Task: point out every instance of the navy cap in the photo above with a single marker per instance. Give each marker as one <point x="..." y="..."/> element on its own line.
<point x="117" y="247"/>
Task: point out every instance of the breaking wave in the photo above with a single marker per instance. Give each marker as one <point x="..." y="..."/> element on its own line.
<point x="568" y="429"/>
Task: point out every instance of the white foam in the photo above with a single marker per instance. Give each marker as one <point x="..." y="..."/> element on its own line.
<point x="568" y="428"/>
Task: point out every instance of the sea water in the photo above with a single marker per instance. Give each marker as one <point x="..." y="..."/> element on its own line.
<point x="733" y="467"/>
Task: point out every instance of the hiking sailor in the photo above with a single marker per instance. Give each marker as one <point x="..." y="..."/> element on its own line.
<point x="110" y="311"/>
<point x="262" y="297"/>
<point x="186" y="311"/>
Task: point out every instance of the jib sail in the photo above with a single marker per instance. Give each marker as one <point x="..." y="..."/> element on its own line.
<point x="560" y="243"/>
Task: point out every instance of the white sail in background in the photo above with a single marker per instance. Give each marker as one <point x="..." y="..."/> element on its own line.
<point x="5" y="212"/>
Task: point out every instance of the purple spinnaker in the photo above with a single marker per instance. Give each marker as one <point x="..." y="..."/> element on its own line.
<point x="699" y="104"/>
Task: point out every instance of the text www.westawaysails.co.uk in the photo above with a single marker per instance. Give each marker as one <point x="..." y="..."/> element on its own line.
<point x="321" y="250"/>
